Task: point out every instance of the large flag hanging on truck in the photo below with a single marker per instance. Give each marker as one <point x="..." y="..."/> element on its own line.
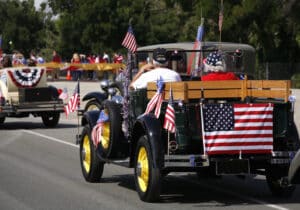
<point x="238" y="128"/>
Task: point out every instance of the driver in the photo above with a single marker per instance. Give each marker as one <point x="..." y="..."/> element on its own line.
<point x="153" y="72"/>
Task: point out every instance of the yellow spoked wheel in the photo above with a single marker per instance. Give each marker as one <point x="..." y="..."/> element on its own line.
<point x="147" y="176"/>
<point x="105" y="138"/>
<point x="91" y="166"/>
<point x="143" y="167"/>
<point x="92" y="105"/>
<point x="86" y="153"/>
<point x="112" y="135"/>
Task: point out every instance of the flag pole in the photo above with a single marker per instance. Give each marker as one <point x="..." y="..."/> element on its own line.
<point x="202" y="127"/>
<point x="168" y="129"/>
<point x="220" y="23"/>
<point x="78" y="107"/>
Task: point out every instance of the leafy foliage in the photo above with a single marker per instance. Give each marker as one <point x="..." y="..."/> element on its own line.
<point x="95" y="26"/>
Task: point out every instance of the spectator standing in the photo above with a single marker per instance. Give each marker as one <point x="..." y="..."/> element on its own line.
<point x="106" y="57"/>
<point x="118" y="58"/>
<point x="55" y="71"/>
<point x="76" y="71"/>
<point x="40" y="59"/>
<point x="91" y="73"/>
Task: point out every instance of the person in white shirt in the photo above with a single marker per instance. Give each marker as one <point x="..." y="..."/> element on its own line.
<point x="153" y="72"/>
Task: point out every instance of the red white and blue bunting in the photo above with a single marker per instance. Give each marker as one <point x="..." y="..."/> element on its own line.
<point x="26" y="77"/>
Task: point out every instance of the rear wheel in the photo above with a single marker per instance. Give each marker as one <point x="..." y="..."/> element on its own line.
<point x="147" y="178"/>
<point x="50" y="119"/>
<point x="2" y="119"/>
<point x="278" y="183"/>
<point x="91" y="166"/>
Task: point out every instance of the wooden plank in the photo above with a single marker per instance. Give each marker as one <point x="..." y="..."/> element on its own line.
<point x="281" y="84"/>
<point x="226" y="93"/>
<point x="176" y="95"/>
<point x="269" y="88"/>
<point x="258" y="93"/>
<point x="214" y="84"/>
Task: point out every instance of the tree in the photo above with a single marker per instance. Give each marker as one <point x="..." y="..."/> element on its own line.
<point x="21" y="26"/>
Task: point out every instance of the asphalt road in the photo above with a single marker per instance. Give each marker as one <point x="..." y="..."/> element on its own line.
<point x="40" y="169"/>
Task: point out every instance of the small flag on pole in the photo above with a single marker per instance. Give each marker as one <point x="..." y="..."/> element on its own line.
<point x="64" y="94"/>
<point x="129" y="41"/>
<point x="157" y="99"/>
<point x="98" y="128"/>
<point x="169" y="123"/>
<point x="74" y="102"/>
<point x="197" y="46"/>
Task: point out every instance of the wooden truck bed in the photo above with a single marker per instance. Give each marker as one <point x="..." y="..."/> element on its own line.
<point x="186" y="90"/>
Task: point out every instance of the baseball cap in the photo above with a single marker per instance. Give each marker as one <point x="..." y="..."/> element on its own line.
<point x="159" y="55"/>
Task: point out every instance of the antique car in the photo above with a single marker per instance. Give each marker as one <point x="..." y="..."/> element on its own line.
<point x="24" y="92"/>
<point x="230" y="127"/>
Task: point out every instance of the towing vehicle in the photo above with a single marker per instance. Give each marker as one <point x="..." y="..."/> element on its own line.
<point x="24" y="92"/>
<point x="232" y="127"/>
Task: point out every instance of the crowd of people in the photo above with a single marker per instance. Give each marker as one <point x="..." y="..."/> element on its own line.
<point x="18" y="59"/>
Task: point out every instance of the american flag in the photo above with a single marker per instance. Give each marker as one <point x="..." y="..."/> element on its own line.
<point x="98" y="128"/>
<point x="129" y="41"/>
<point x="74" y="102"/>
<point x="64" y="94"/>
<point x="221" y="16"/>
<point x="197" y="46"/>
<point x="238" y="128"/>
<point x="157" y="99"/>
<point x="169" y="122"/>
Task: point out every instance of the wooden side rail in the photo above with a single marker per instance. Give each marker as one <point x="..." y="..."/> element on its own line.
<point x="269" y="89"/>
<point x="224" y="89"/>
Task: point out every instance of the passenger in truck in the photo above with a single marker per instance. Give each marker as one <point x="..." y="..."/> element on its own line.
<point x="151" y="72"/>
<point x="215" y="69"/>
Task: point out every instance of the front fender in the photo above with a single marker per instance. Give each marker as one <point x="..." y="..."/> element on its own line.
<point x="90" y="118"/>
<point x="149" y="125"/>
<point x="97" y="95"/>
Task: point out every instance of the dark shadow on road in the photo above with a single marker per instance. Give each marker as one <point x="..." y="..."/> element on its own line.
<point x="211" y="192"/>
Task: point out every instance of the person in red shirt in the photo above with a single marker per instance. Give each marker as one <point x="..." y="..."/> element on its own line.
<point x="214" y="67"/>
<point x="55" y="71"/>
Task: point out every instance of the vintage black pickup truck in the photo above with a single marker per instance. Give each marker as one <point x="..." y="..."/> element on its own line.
<point x="24" y="92"/>
<point x="230" y="127"/>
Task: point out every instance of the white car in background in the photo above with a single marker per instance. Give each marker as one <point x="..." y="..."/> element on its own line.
<point x="24" y="91"/>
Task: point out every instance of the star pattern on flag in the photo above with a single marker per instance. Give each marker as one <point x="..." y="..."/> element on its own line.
<point x="218" y="117"/>
<point x="213" y="59"/>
